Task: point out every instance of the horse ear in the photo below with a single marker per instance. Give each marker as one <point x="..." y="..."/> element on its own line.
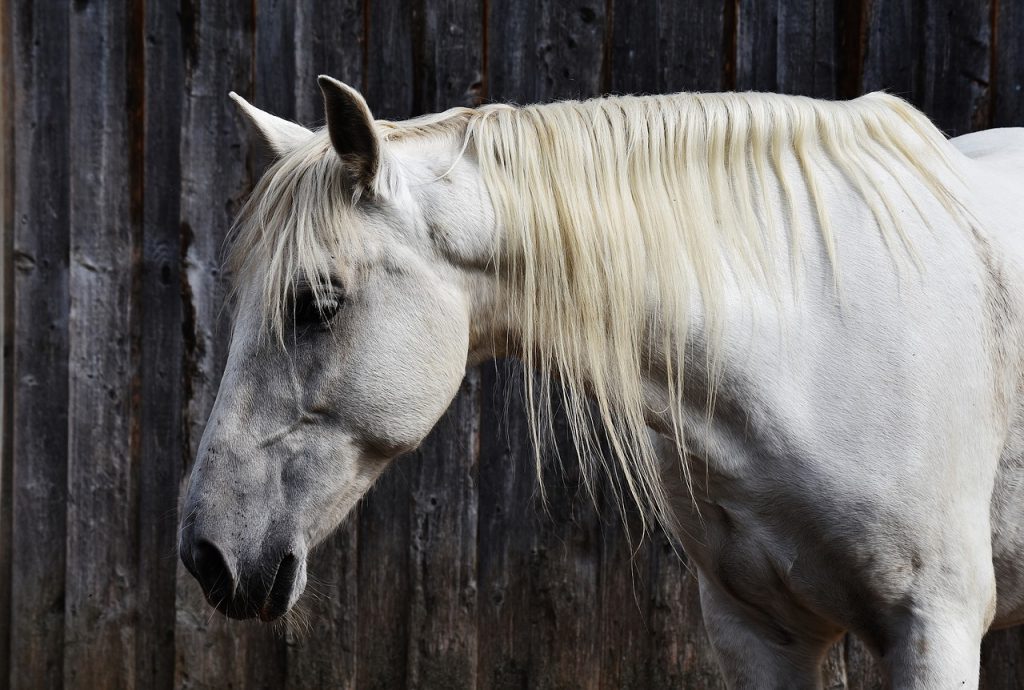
<point x="351" y="128"/>
<point x="279" y="134"/>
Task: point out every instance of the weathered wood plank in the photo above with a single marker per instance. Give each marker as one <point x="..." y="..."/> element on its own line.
<point x="273" y="88"/>
<point x="507" y="519"/>
<point x="449" y="60"/>
<point x="862" y="672"/>
<point x="443" y="549"/>
<point x="322" y="647"/>
<point x="384" y="515"/>
<point x="664" y="47"/>
<point x="625" y="598"/>
<point x="40" y="389"/>
<point x="649" y="633"/>
<point x="162" y="449"/>
<point x="273" y="85"/>
<point x="448" y="50"/>
<point x="545" y="52"/>
<point x="1008" y="98"/>
<point x="218" y="41"/>
<point x="793" y="47"/>
<point x="936" y="54"/>
<point x="389" y="63"/>
<point x="788" y="47"/>
<point x="99" y="630"/>
<point x="7" y="334"/>
<point x="331" y="41"/>
<point x="322" y="639"/>
<point x="681" y="654"/>
<point x="1002" y="660"/>
<point x="506" y="487"/>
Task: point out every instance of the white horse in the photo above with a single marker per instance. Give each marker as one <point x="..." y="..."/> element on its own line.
<point x="817" y="306"/>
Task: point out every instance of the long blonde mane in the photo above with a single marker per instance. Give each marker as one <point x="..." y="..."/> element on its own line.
<point x="611" y="209"/>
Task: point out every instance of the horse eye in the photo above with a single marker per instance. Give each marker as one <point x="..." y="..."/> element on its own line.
<point x="312" y="312"/>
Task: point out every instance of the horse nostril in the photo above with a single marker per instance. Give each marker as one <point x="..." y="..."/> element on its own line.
<point x="213" y="573"/>
<point x="281" y="590"/>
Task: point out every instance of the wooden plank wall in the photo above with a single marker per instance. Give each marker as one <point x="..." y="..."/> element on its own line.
<point x="123" y="163"/>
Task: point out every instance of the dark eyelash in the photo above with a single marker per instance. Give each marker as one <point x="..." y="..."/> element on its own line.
<point x="309" y="311"/>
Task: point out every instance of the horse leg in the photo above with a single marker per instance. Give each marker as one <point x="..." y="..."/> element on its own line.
<point x="935" y="650"/>
<point x="934" y="640"/>
<point x="929" y="635"/>
<point x="755" y="654"/>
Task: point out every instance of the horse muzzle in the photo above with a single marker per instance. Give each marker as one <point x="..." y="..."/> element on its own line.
<point x="264" y="587"/>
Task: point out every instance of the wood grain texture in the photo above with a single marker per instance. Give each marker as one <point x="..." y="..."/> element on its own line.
<point x="162" y="450"/>
<point x="681" y="654"/>
<point x="7" y="334"/>
<point x="443" y="550"/>
<point x="100" y="585"/>
<point x="1008" y="63"/>
<point x="40" y="385"/>
<point x="323" y="642"/>
<point x="935" y="54"/>
<point x="218" y="42"/>
<point x="789" y="47"/>
<point x="385" y="529"/>
<point x="123" y="165"/>
<point x="331" y="42"/>
<point x="663" y="47"/>
<point x="652" y="632"/>
<point x="551" y="51"/>
<point x="448" y="55"/>
<point x="505" y="531"/>
<point x="545" y="51"/>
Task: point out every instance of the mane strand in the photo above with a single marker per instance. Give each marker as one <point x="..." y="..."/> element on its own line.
<point x="611" y="205"/>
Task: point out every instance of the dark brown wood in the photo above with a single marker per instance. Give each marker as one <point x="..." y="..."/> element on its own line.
<point x="681" y="654"/>
<point x="442" y="652"/>
<point x="443" y="550"/>
<point x="649" y="632"/>
<point x="162" y="450"/>
<point x="389" y="59"/>
<point x="624" y="597"/>
<point x="7" y="336"/>
<point x="544" y="52"/>
<point x="788" y="47"/>
<point x="1002" y="653"/>
<point x="323" y="638"/>
<point x="40" y="385"/>
<point x="100" y="588"/>
<point x="123" y="165"/>
<point x="1002" y="660"/>
<point x="322" y="643"/>
<point x="507" y="520"/>
<point x="218" y="46"/>
<point x="331" y="42"/>
<point x="663" y="47"/>
<point x="862" y="672"/>
<point x="1008" y="58"/>
<point x="935" y="54"/>
<point x="385" y="514"/>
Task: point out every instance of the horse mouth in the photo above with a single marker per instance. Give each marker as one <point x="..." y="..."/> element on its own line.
<point x="242" y="605"/>
<point x="280" y="595"/>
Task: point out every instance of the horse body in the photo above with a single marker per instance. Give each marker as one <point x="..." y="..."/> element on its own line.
<point x="800" y="534"/>
<point x="996" y="168"/>
<point x="861" y="466"/>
